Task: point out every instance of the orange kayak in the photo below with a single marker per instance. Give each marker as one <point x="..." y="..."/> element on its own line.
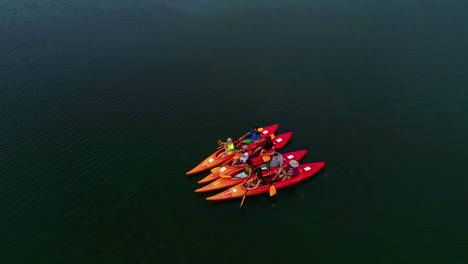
<point x="213" y="160"/>
<point x="222" y="183"/>
<point x="279" y="142"/>
<point x="238" y="191"/>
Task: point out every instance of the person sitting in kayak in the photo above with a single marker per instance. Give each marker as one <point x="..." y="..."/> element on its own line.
<point x="228" y="148"/>
<point x="244" y="156"/>
<point x="251" y="137"/>
<point x="266" y="148"/>
<point x="244" y="143"/>
<point x="256" y="181"/>
<point x="249" y="168"/>
<point x="276" y="160"/>
<point x="288" y="171"/>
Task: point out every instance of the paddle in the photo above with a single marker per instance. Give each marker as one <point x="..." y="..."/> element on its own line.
<point x="246" y="189"/>
<point x="243" y="198"/>
<point x="215" y="169"/>
<point x="272" y="189"/>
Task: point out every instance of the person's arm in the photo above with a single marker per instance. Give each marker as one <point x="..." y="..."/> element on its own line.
<point x="246" y="182"/>
<point x="266" y="154"/>
<point x="278" y="172"/>
<point x="246" y="134"/>
<point x="256" y="185"/>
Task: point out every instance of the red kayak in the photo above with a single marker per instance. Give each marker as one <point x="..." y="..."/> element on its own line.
<point x="222" y="182"/>
<point x="238" y="191"/>
<point x="279" y="142"/>
<point x="213" y="159"/>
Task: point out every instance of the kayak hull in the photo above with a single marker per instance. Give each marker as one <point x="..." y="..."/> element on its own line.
<point x="279" y="142"/>
<point x="210" y="162"/>
<point x="238" y="191"/>
<point x="222" y="183"/>
<point x="213" y="160"/>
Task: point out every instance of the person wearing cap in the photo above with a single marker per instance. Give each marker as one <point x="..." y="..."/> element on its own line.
<point x="288" y="171"/>
<point x="228" y="148"/>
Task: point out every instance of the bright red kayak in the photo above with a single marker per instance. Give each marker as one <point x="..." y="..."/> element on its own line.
<point x="279" y="142"/>
<point x="238" y="191"/>
<point x="213" y="159"/>
<point x="222" y="183"/>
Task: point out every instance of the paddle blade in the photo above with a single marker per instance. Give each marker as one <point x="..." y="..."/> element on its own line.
<point x="266" y="158"/>
<point x="272" y="136"/>
<point x="215" y="169"/>
<point x="236" y="157"/>
<point x="260" y="129"/>
<point x="272" y="190"/>
<point x="225" y="176"/>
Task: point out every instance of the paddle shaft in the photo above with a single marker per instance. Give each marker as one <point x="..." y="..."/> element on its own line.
<point x="243" y="198"/>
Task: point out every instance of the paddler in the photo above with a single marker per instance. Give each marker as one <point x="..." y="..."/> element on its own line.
<point x="266" y="149"/>
<point x="244" y="156"/>
<point x="228" y="148"/>
<point x="251" y="137"/>
<point x="256" y="181"/>
<point x="276" y="160"/>
<point x="288" y="171"/>
<point x="247" y="172"/>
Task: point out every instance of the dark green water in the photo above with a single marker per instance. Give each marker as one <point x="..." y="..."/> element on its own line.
<point x="106" y="104"/>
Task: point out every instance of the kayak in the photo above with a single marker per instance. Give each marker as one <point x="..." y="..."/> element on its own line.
<point x="238" y="191"/>
<point x="279" y="142"/>
<point x="213" y="159"/>
<point x="222" y="183"/>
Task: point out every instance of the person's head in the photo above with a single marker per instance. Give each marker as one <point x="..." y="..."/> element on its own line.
<point x="255" y="129"/>
<point x="249" y="163"/>
<point x="259" y="174"/>
<point x="294" y="163"/>
<point x="229" y="140"/>
<point x="268" y="138"/>
<point x="276" y="154"/>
